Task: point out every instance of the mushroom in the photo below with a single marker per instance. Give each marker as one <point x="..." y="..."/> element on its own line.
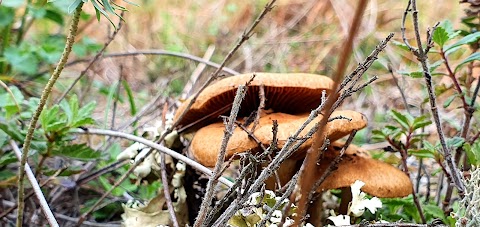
<point x="381" y="179"/>
<point x="206" y="142"/>
<point x="291" y="97"/>
<point x="292" y="93"/>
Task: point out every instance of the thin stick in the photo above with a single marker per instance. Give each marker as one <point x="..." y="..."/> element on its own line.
<point x="402" y="93"/>
<point x="43" y="100"/>
<point x="11" y="94"/>
<point x="166" y="191"/>
<point x="161" y="52"/>
<point x="155" y="146"/>
<point x="245" y="36"/>
<point x="334" y="164"/>
<point x="288" y="192"/>
<point x="421" y="54"/>
<point x="163" y="173"/>
<point x="313" y="154"/>
<point x="404" y="155"/>
<point x="212" y="182"/>
<point x="94" y="59"/>
<point x="190" y="86"/>
<point x="36" y="188"/>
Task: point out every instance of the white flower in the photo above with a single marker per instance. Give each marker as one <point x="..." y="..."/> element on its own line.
<point x="276" y="217"/>
<point x="359" y="202"/>
<point x="340" y="220"/>
<point x="289" y="222"/>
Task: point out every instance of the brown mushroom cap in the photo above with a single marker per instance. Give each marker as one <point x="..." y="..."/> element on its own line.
<point x="284" y="92"/>
<point x="381" y="179"/>
<point x="206" y="143"/>
<point x="289" y="167"/>
<point x="289" y="124"/>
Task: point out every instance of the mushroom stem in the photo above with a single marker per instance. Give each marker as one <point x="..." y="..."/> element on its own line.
<point x="346" y="198"/>
<point x="315" y="210"/>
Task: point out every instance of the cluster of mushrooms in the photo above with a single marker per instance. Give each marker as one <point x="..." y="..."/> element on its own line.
<point x="289" y="98"/>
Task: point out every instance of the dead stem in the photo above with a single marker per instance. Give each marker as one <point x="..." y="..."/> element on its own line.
<point x="421" y="55"/>
<point x="307" y="176"/>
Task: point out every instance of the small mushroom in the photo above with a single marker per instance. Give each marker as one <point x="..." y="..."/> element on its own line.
<point x="381" y="179"/>
<point x="292" y="93"/>
<point x="206" y="143"/>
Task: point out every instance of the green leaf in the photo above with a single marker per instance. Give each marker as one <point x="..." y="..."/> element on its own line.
<point x="401" y="45"/>
<point x="421" y="153"/>
<point x="54" y="16"/>
<point x="401" y="119"/>
<point x="429" y="146"/>
<point x="73" y="6"/>
<point x="415" y="74"/>
<point x="473" y="57"/>
<point x="84" y="115"/>
<point x="22" y="59"/>
<point x="7" y="16"/>
<point x="51" y="120"/>
<point x="455" y="142"/>
<point x="421" y="122"/>
<point x="7" y="158"/>
<point x="473" y="153"/>
<point x="69" y="171"/>
<point x="80" y="152"/>
<point x="434" y="211"/>
<point x="64" y="105"/>
<point x="98" y="10"/>
<point x="12" y="130"/>
<point x="471" y="38"/>
<point x="37" y="12"/>
<point x="131" y="98"/>
<point x="449" y="100"/>
<point x="13" y="3"/>
<point x="9" y="103"/>
<point x="440" y="36"/>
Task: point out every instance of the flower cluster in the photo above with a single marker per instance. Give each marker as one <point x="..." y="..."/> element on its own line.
<point x="257" y="207"/>
<point x="357" y="205"/>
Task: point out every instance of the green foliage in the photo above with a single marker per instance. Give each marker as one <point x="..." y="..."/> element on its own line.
<point x="407" y="128"/>
<point x="52" y="138"/>
<point x="403" y="209"/>
<point x="473" y="152"/>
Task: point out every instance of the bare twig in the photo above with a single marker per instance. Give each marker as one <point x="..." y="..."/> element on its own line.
<point x="212" y="182"/>
<point x="163" y="173"/>
<point x="421" y="55"/>
<point x="196" y="74"/>
<point x="153" y="145"/>
<point x="94" y="59"/>
<point x="333" y="165"/>
<point x="166" y="191"/>
<point x="43" y="99"/>
<point x="314" y="153"/>
<point x="245" y="36"/>
<point x="160" y="52"/>
<point x="288" y="192"/>
<point x="403" y="153"/>
<point x="400" y="89"/>
<point x="36" y="188"/>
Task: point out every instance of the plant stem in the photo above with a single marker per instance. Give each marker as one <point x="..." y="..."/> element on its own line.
<point x="46" y="92"/>
<point x="421" y="55"/>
